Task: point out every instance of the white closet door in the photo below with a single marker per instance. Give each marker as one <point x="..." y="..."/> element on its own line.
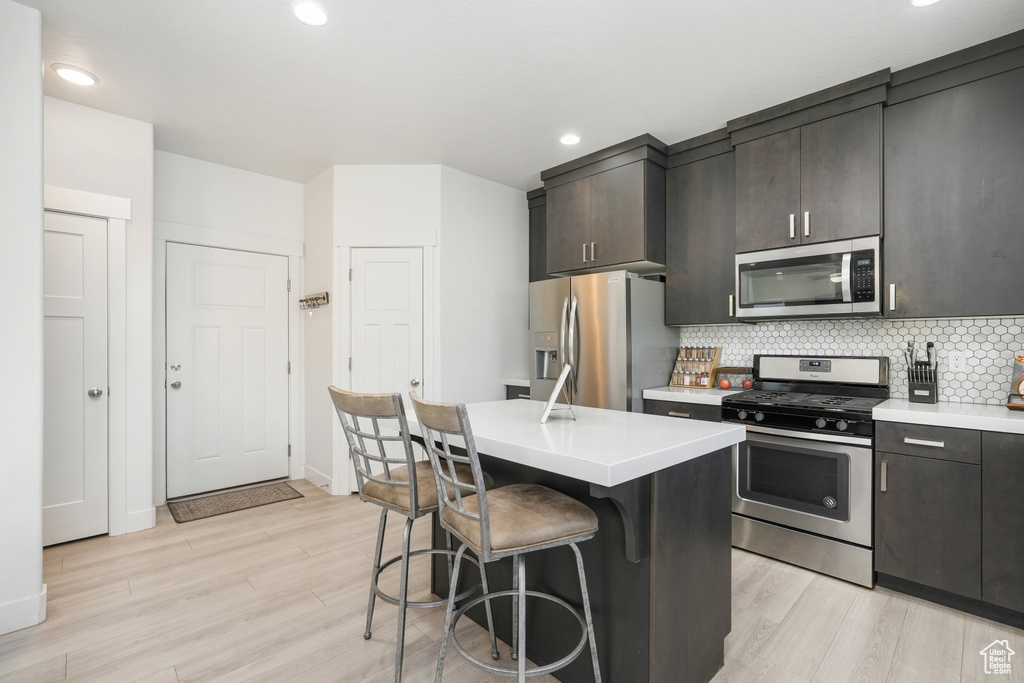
<point x="227" y="368"/>
<point x="75" y="378"/>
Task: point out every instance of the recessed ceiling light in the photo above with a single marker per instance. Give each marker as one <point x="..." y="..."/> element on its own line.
<point x="309" y="12"/>
<point x="921" y="3"/>
<point x="570" y="139"/>
<point x="75" y="74"/>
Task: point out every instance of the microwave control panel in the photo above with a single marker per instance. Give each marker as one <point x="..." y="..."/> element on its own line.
<point x="864" y="275"/>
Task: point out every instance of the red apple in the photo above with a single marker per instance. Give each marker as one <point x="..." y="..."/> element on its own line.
<point x="724" y="383"/>
<point x="748" y="384"/>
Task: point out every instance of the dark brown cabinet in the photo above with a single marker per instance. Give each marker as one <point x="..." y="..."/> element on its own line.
<point x="537" y="203"/>
<point x="700" y="241"/>
<point x="954" y="206"/>
<point x="610" y="218"/>
<point x="928" y="508"/>
<point x="816" y="183"/>
<point x="693" y="411"/>
<point x="1002" y="520"/>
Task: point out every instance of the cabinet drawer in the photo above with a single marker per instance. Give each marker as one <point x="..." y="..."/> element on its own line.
<point x="694" y="411"/>
<point x="926" y="441"/>
<point x="512" y="392"/>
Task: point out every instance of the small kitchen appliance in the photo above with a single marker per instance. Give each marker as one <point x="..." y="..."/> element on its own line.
<point x="812" y="280"/>
<point x="802" y="480"/>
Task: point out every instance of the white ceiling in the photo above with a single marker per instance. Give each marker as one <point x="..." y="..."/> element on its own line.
<point x="484" y="86"/>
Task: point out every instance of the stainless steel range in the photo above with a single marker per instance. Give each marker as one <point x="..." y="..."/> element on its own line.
<point x="803" y="478"/>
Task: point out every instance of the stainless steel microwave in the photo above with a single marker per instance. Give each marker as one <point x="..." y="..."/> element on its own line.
<point x="812" y="280"/>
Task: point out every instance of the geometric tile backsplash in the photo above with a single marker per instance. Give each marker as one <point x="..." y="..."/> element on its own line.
<point x="989" y="345"/>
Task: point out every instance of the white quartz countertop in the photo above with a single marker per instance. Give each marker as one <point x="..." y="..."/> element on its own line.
<point x="988" y="418"/>
<point x="684" y="395"/>
<point x="605" y="447"/>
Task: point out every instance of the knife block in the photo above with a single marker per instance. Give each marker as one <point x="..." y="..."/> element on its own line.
<point x="923" y="385"/>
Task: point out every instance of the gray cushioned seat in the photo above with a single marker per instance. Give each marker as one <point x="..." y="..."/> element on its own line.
<point x="523" y="516"/>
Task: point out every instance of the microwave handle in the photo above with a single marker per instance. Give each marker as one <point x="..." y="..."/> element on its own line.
<point x="847" y="277"/>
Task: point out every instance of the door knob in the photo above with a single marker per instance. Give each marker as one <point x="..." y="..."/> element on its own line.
<point x="415" y="382"/>
<point x="95" y="392"/>
<point x="175" y="384"/>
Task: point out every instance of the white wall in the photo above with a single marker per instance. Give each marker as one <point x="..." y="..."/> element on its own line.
<point x="484" y="287"/>
<point x="22" y="594"/>
<point x="199" y="193"/>
<point x="87" y="149"/>
<point x="318" y="328"/>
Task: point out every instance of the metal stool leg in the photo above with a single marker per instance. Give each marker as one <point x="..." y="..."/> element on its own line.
<point x="586" y="612"/>
<point x="487" y="608"/>
<point x="515" y="608"/>
<point x="376" y="569"/>
<point x="448" y="612"/>
<point x="403" y="595"/>
<point x="521" y="626"/>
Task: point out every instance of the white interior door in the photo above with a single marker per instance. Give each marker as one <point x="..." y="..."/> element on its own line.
<point x="387" y="320"/>
<point x="227" y="368"/>
<point x="75" y="378"/>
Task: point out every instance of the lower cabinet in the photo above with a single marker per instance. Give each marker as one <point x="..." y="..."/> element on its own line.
<point x="1002" y="520"/>
<point x="693" y="411"/>
<point x="949" y="510"/>
<point x="928" y="522"/>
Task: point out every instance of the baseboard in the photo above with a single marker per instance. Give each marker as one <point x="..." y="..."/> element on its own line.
<point x="30" y="611"/>
<point x="318" y="478"/>
<point x="141" y="520"/>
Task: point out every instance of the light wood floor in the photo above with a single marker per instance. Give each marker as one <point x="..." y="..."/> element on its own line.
<point x="279" y="593"/>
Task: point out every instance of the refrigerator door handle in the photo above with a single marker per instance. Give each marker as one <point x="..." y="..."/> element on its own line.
<point x="572" y="336"/>
<point x="561" y="333"/>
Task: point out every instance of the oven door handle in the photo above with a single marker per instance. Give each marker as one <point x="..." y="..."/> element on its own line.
<point x="847" y="278"/>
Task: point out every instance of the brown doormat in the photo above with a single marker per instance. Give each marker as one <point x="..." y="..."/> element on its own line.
<point x="232" y="501"/>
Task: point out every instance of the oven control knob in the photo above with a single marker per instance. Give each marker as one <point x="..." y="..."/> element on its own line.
<point x="758" y="417"/>
<point x="829" y="502"/>
<point x="742" y="415"/>
<point x="820" y="423"/>
<point x="841" y="425"/>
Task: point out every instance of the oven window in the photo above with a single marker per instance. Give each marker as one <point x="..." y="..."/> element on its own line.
<point x="805" y="480"/>
<point x="794" y="282"/>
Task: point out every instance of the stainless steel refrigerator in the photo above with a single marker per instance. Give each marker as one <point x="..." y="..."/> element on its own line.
<point x="610" y="328"/>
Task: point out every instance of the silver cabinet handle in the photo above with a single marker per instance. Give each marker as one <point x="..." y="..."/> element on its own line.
<point x="892" y="296"/>
<point x="883" y="485"/>
<point x="792" y="226"/>
<point x="585" y="253"/>
<point x="593" y="252"/>
<point x="175" y="384"/>
<point x="807" y="223"/>
<point x="671" y="414"/>
<point x="924" y="442"/>
<point x="415" y="382"/>
<point x="95" y="392"/>
<point x="731" y="299"/>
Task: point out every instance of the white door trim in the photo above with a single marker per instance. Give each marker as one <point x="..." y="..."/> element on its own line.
<point x="96" y="205"/>
<point x="344" y="479"/>
<point x="164" y="232"/>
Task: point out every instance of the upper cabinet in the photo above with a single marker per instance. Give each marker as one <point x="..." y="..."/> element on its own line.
<point x="700" y="235"/>
<point x="536" y="201"/>
<point x="954" y="192"/>
<point x="811" y="170"/>
<point x="607" y="210"/>
<point x="816" y="183"/>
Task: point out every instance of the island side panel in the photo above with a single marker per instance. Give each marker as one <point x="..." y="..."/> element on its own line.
<point x="691" y="567"/>
<point x="619" y="590"/>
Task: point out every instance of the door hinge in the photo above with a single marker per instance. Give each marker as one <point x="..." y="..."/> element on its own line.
<point x="350" y="275"/>
<point x="289" y="367"/>
<point x="289" y="284"/>
<point x="350" y="362"/>
<point x="289" y="450"/>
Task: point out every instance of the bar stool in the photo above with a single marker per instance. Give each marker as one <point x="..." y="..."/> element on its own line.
<point x="509" y="521"/>
<point x="383" y="479"/>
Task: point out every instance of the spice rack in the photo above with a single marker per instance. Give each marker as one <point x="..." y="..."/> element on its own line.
<point x="696" y="367"/>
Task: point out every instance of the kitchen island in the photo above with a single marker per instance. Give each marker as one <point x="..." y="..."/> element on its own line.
<point x="659" y="569"/>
